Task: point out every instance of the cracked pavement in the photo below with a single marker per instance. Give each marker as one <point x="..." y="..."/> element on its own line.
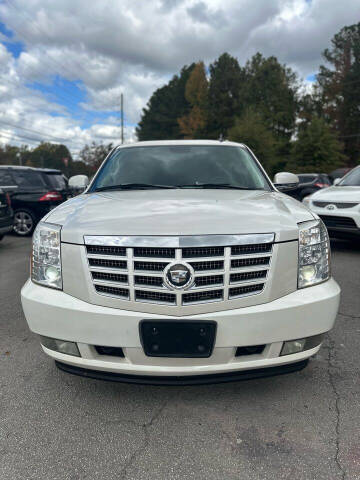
<point x="302" y="426"/>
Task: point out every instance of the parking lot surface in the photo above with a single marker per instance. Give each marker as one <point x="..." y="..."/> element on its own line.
<point x="57" y="426"/>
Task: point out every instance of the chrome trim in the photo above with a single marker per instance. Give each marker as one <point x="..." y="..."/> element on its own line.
<point x="179" y="242"/>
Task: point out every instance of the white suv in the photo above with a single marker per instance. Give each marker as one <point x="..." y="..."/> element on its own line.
<point x="339" y="206"/>
<point x="181" y="263"/>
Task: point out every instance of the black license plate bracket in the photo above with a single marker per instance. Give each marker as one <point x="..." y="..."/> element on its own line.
<point x="178" y="339"/>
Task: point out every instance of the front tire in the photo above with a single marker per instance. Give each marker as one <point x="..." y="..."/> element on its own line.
<point x="24" y="222"/>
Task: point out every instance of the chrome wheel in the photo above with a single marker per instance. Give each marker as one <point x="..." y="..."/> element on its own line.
<point x="23" y="223"/>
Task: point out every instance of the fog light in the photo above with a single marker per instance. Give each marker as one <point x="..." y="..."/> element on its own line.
<point x="294" y="346"/>
<point x="61" y="346"/>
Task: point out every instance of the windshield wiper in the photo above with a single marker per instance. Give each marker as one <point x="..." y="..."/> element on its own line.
<point x="130" y="186"/>
<point x="217" y="185"/>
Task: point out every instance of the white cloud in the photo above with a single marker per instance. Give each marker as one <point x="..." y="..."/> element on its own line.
<point x="134" y="47"/>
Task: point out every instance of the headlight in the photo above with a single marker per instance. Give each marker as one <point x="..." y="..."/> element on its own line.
<point x="46" y="256"/>
<point x="307" y="200"/>
<point x="314" y="254"/>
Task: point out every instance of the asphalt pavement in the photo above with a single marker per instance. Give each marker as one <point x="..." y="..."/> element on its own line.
<point x="56" y="426"/>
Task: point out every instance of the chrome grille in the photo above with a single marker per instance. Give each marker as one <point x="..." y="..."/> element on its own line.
<point x="135" y="271"/>
<point x="337" y="204"/>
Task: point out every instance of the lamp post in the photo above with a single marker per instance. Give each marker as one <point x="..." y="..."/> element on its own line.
<point x="18" y="156"/>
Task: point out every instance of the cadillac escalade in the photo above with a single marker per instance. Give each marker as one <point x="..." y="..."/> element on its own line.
<point x="181" y="263"/>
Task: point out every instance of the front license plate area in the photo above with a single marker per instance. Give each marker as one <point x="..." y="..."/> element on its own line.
<point x="177" y="338"/>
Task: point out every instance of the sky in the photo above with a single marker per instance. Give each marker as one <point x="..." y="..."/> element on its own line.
<point x="64" y="64"/>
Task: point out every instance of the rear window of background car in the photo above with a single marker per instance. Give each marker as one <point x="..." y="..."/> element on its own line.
<point x="55" y="180"/>
<point x="5" y="178"/>
<point x="28" y="179"/>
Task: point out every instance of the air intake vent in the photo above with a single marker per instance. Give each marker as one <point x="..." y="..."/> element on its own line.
<point x="203" y="252"/>
<point x="106" y="250"/>
<point x="100" y="262"/>
<point x="151" y="281"/>
<point x="155" y="297"/>
<point x="199" y="297"/>
<point x="110" y="277"/>
<point x="154" y="252"/>
<point x="149" y="266"/>
<point x="113" y="291"/>
<point x="249" y="262"/>
<point x="211" y="265"/>
<point x="246" y="276"/>
<point x="251" y="249"/>
<point x="246" y="290"/>
<point x="210" y="280"/>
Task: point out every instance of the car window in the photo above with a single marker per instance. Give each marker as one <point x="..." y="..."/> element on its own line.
<point x="352" y="179"/>
<point x="56" y="180"/>
<point x="182" y="165"/>
<point x="30" y="179"/>
<point x="5" y="177"/>
<point x="306" y="178"/>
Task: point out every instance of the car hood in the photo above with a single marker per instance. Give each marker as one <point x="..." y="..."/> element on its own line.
<point x="179" y="212"/>
<point x="337" y="194"/>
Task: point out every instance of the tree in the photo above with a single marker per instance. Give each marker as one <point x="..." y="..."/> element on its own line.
<point x="159" y="120"/>
<point x="340" y="88"/>
<point x="192" y="125"/>
<point x="272" y="90"/>
<point x="251" y="129"/>
<point x="9" y="154"/>
<point x="316" y="149"/>
<point x="51" y="155"/>
<point x="93" y="155"/>
<point x="224" y="95"/>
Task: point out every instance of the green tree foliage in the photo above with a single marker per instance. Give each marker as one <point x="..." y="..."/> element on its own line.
<point x="196" y="90"/>
<point x="93" y="155"/>
<point x="50" y="155"/>
<point x="340" y="88"/>
<point x="159" y="120"/>
<point x="224" y="102"/>
<point x="12" y="155"/>
<point x="316" y="149"/>
<point x="272" y="89"/>
<point x="252" y="130"/>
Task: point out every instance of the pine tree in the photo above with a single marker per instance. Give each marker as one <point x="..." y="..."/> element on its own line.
<point x="192" y="125"/>
<point x="166" y="105"/>
<point x="340" y="88"/>
<point x="251" y="129"/>
<point x="224" y="95"/>
<point x="316" y="149"/>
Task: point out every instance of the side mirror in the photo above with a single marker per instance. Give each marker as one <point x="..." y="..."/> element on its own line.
<point x="337" y="181"/>
<point x="78" y="182"/>
<point x="285" y="181"/>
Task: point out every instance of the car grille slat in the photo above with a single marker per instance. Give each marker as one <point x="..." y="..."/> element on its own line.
<point x="140" y="273"/>
<point x="112" y="291"/>
<point x="106" y="250"/>
<point x="246" y="290"/>
<point x="154" y="252"/>
<point x="338" y="222"/>
<point x="337" y="204"/>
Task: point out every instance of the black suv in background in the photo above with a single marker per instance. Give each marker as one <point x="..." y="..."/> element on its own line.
<point x="309" y="183"/>
<point x="38" y="191"/>
<point x="6" y="213"/>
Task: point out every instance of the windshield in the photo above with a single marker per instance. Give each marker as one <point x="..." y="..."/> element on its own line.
<point x="352" y="179"/>
<point x="181" y="166"/>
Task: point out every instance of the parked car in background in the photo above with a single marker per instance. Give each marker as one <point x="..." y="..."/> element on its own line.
<point x="310" y="183"/>
<point x="38" y="191"/>
<point x="6" y="213"/>
<point x="339" y="206"/>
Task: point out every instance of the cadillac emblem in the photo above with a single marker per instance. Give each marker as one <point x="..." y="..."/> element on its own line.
<point x="179" y="275"/>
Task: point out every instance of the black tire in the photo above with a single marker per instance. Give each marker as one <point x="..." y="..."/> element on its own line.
<point x="1" y="237"/>
<point x="24" y="222"/>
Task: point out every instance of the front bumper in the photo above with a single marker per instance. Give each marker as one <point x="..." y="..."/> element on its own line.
<point x="304" y="313"/>
<point x="340" y="222"/>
